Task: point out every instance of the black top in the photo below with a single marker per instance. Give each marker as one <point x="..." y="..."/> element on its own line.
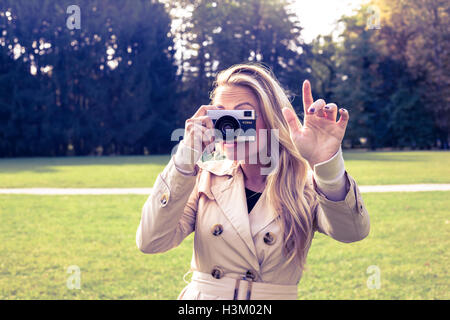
<point x="252" y="198"/>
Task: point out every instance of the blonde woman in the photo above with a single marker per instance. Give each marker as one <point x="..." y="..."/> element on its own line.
<point x="254" y="220"/>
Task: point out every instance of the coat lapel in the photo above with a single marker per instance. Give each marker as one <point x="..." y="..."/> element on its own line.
<point x="261" y="215"/>
<point x="230" y="197"/>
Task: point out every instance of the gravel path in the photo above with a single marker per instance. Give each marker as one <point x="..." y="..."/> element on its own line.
<point x="146" y="191"/>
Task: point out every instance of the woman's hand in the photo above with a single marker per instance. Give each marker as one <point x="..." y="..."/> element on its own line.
<point x="199" y="132"/>
<point x="320" y="136"/>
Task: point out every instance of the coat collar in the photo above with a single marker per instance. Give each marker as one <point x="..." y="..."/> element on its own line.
<point x="220" y="167"/>
<point x="229" y="193"/>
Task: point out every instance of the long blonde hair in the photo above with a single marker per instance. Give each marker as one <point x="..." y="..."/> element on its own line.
<point x="287" y="189"/>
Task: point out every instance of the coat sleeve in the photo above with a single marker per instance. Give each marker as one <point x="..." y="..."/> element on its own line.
<point x="168" y="215"/>
<point x="346" y="220"/>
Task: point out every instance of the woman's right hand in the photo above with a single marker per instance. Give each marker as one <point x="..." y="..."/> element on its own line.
<point x="198" y="135"/>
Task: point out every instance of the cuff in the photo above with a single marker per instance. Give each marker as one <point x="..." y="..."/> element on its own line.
<point x="330" y="171"/>
<point x="185" y="159"/>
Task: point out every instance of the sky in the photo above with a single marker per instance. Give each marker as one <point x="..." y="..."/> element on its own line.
<point x="320" y="16"/>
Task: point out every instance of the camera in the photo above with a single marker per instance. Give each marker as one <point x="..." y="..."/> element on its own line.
<point x="234" y="125"/>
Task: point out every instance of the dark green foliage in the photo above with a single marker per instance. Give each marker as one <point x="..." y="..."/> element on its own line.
<point x="70" y="98"/>
<point x="83" y="105"/>
<point x="386" y="99"/>
<point x="240" y="31"/>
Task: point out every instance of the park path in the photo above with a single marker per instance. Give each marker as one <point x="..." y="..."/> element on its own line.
<point x="146" y="191"/>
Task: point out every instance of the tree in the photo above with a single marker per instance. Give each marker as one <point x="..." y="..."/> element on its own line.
<point x="416" y="33"/>
<point x="380" y="91"/>
<point x="111" y="85"/>
<point x="236" y="31"/>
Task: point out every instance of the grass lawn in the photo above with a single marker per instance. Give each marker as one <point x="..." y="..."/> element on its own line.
<point x="368" y="168"/>
<point x="41" y="236"/>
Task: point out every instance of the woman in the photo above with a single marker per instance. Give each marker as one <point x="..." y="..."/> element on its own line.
<point x="254" y="220"/>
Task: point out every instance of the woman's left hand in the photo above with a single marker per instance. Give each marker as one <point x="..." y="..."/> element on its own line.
<point x="320" y="136"/>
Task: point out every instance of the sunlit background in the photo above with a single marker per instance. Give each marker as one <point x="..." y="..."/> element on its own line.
<point x="92" y="90"/>
<point x="321" y="16"/>
<point x="118" y="78"/>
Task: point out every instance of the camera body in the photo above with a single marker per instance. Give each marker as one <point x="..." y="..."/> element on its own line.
<point x="234" y="125"/>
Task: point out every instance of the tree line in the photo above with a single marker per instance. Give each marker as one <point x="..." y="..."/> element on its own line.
<point x="120" y="84"/>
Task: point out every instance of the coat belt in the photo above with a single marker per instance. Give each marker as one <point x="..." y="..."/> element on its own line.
<point x="240" y="289"/>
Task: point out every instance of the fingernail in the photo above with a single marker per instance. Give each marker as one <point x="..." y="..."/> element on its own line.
<point x="311" y="110"/>
<point x="327" y="107"/>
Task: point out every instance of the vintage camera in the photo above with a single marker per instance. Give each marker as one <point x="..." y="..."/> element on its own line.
<point x="234" y="125"/>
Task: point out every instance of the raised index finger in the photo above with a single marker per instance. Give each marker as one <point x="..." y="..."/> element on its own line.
<point x="307" y="96"/>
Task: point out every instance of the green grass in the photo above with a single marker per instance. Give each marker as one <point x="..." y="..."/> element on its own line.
<point x="81" y="172"/>
<point x="375" y="168"/>
<point x="408" y="241"/>
<point x="40" y="237"/>
<point x="368" y="168"/>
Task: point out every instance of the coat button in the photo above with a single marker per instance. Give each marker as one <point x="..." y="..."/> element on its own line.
<point x="164" y="199"/>
<point x="250" y="275"/>
<point x="217" y="272"/>
<point x="269" y="238"/>
<point x="217" y="229"/>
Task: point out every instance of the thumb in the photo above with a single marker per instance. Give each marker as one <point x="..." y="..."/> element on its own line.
<point x="292" y="120"/>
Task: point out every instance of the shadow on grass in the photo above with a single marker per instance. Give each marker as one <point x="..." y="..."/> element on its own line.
<point x="399" y="156"/>
<point x="47" y="164"/>
<point x="50" y="164"/>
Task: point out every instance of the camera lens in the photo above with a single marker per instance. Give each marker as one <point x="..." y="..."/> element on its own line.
<point x="226" y="124"/>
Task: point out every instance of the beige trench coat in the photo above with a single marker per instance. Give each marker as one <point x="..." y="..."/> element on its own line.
<point x="229" y="242"/>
